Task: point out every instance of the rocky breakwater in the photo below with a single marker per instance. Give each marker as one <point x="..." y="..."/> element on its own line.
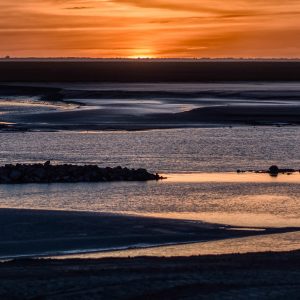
<point x="47" y="173"/>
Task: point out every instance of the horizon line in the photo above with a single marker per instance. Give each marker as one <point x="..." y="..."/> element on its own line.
<point x="10" y="58"/>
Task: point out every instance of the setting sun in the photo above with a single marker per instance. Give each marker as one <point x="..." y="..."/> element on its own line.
<point x="141" y="53"/>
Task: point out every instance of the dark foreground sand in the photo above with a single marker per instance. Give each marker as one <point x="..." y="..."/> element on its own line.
<point x="247" y="276"/>
<point x="40" y="233"/>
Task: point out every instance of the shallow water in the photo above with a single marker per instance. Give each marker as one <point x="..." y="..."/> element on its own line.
<point x="167" y="151"/>
<point x="204" y="188"/>
<point x="247" y="204"/>
<point x="273" y="242"/>
<point x="137" y="100"/>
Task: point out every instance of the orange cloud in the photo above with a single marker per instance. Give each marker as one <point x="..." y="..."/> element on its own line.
<point x="155" y="28"/>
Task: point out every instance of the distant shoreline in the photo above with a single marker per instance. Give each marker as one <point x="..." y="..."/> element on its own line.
<point x="122" y="59"/>
<point x="147" y="70"/>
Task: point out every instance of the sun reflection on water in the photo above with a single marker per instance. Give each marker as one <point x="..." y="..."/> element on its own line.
<point x="232" y="177"/>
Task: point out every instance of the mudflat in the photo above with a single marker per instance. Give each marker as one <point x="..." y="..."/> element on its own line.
<point x="32" y="233"/>
<point x="88" y="106"/>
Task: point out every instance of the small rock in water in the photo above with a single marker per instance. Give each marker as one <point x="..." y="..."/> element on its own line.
<point x="274" y="170"/>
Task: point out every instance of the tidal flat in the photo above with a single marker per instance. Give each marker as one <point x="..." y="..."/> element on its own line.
<point x="196" y="132"/>
<point x="143" y="106"/>
<point x="38" y="233"/>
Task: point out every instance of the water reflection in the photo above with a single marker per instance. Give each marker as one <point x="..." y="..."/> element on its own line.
<point x="272" y="242"/>
<point x="226" y="198"/>
<point x="237" y="218"/>
<point x="233" y="177"/>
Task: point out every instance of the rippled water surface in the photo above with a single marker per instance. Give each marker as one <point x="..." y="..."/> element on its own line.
<point x="166" y="151"/>
<point x="204" y="160"/>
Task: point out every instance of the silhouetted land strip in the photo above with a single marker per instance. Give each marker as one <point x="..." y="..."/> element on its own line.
<point x="148" y="71"/>
<point x="47" y="173"/>
<point x="257" y="275"/>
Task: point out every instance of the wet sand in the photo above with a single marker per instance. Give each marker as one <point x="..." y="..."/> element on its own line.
<point x="102" y="108"/>
<point x="40" y="233"/>
<point x="107" y="119"/>
<point x="247" y="276"/>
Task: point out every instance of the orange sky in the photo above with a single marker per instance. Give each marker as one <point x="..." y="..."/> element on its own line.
<point x="150" y="28"/>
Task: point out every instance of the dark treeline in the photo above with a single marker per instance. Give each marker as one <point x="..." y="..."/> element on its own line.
<point x="148" y="71"/>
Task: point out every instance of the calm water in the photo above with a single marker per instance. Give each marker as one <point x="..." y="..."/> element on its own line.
<point x="210" y="192"/>
<point x="166" y="151"/>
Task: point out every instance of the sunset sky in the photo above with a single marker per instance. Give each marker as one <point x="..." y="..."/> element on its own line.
<point x="150" y="28"/>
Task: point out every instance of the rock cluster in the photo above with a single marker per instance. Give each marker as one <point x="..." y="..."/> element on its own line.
<point x="47" y="173"/>
<point x="273" y="170"/>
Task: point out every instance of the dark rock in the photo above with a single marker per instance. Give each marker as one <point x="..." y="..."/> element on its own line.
<point x="47" y="173"/>
<point x="274" y="170"/>
<point x="15" y="175"/>
<point x="47" y="163"/>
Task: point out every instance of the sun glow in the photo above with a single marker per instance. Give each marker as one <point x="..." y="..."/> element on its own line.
<point x="142" y="53"/>
<point x="150" y="29"/>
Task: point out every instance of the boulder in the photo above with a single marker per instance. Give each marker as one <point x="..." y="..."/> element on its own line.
<point x="15" y="175"/>
<point x="274" y="170"/>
